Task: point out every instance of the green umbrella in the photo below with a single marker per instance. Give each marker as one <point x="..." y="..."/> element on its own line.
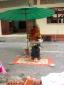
<point x="24" y="14"/>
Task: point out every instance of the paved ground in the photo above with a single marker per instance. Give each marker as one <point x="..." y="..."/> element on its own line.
<point x="8" y="50"/>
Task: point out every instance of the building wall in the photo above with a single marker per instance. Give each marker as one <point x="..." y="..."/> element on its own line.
<point x="5" y="27"/>
<point x="54" y="31"/>
<point x="49" y="29"/>
<point x="44" y="27"/>
<point x="57" y="37"/>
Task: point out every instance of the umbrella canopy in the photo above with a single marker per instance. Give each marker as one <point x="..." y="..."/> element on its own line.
<point x="24" y="14"/>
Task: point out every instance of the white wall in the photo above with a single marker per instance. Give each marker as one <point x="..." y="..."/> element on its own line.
<point x="50" y="28"/>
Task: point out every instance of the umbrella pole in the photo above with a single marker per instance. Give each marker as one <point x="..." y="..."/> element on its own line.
<point x="27" y="31"/>
<point x="27" y="42"/>
<point x="28" y="27"/>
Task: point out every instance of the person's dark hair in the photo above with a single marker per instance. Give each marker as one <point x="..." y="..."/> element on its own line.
<point x="34" y="26"/>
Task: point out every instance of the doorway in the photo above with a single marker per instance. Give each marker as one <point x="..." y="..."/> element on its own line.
<point x="17" y="27"/>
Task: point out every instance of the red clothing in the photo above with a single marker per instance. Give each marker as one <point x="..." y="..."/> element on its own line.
<point x="34" y="34"/>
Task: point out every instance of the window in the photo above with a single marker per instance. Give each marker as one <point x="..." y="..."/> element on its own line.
<point x="58" y="17"/>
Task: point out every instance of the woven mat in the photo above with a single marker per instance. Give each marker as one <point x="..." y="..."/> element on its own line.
<point x="45" y="61"/>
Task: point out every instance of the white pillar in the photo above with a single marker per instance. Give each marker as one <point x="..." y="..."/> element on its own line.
<point x="38" y="2"/>
<point x="31" y="2"/>
<point x="0" y="28"/>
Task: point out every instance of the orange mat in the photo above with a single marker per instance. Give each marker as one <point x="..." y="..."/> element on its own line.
<point x="45" y="61"/>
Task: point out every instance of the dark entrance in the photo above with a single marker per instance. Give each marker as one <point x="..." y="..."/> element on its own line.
<point x="17" y="27"/>
<point x="47" y="38"/>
